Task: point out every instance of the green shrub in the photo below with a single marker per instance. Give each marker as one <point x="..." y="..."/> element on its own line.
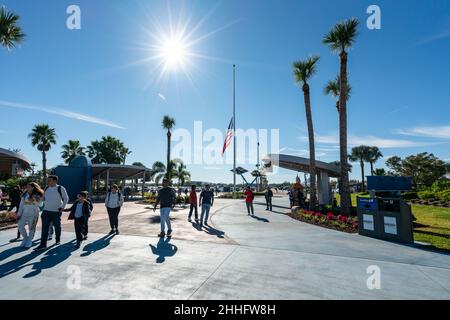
<point x="427" y="195"/>
<point x="444" y="195"/>
<point x="441" y="185"/>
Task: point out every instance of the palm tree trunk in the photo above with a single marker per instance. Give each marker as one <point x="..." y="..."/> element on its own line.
<point x="44" y="166"/>
<point x="371" y="168"/>
<point x="312" y="153"/>
<point x="362" y="176"/>
<point x="168" y="173"/>
<point x="344" y="189"/>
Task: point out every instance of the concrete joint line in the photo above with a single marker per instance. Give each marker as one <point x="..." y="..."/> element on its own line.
<point x="214" y="272"/>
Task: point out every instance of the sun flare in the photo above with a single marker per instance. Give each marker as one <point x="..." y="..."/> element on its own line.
<point x="173" y="52"/>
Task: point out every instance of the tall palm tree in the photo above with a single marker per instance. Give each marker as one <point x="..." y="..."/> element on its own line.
<point x="360" y="154"/>
<point x="374" y="155"/>
<point x="303" y="71"/>
<point x="158" y="172"/>
<point x="43" y="137"/>
<point x="10" y="33"/>
<point x="340" y="39"/>
<point x="168" y="123"/>
<point x="332" y="89"/>
<point x="71" y="150"/>
<point x="181" y="173"/>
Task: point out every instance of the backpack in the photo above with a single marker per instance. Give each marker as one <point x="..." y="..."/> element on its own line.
<point x="118" y="193"/>
<point x="59" y="191"/>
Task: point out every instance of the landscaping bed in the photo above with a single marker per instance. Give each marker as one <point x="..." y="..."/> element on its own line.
<point x="7" y="220"/>
<point x="329" y="220"/>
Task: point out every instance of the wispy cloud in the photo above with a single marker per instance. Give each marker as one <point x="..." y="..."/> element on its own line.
<point x="162" y="97"/>
<point x="434" y="38"/>
<point x="369" y="140"/>
<point x="62" y="113"/>
<point x="440" y="132"/>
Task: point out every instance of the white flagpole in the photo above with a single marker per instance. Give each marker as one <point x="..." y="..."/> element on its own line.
<point x="234" y="130"/>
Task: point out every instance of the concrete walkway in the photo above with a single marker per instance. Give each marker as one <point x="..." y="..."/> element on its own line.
<point x="270" y="256"/>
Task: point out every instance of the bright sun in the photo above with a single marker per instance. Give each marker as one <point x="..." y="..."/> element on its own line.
<point x="173" y="52"/>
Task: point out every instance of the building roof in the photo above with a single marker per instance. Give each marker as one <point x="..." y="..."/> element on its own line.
<point x="300" y="164"/>
<point x="117" y="171"/>
<point x="8" y="158"/>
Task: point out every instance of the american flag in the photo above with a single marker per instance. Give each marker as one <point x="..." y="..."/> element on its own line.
<point x="229" y="136"/>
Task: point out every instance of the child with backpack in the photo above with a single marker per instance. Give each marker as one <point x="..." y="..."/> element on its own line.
<point x="80" y="212"/>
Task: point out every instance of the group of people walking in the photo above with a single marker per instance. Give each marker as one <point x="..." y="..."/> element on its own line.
<point x="53" y="199"/>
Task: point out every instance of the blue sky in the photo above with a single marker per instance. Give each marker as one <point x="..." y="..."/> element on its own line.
<point x="400" y="100"/>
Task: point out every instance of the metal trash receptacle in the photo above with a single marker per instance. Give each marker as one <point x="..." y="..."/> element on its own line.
<point x="396" y="220"/>
<point x="367" y="210"/>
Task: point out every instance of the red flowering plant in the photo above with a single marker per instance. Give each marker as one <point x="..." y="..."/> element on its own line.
<point x="327" y="220"/>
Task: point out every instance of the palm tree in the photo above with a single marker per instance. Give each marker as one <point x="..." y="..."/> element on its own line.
<point x="168" y="123"/>
<point x="181" y="173"/>
<point x="43" y="137"/>
<point x="10" y="32"/>
<point x="71" y="150"/>
<point x="303" y="71"/>
<point x="157" y="172"/>
<point x="340" y="39"/>
<point x="332" y="89"/>
<point x="374" y="155"/>
<point x="360" y="154"/>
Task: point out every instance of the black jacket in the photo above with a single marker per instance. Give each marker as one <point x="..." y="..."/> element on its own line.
<point x="87" y="209"/>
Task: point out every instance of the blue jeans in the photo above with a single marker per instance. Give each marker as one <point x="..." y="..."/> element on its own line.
<point x="48" y="217"/>
<point x="205" y="213"/>
<point x="165" y="219"/>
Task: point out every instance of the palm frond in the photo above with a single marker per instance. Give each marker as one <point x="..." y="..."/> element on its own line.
<point x="342" y="35"/>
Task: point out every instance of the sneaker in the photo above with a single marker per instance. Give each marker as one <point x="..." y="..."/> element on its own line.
<point x="77" y="245"/>
<point x="57" y="242"/>
<point x="169" y="233"/>
<point x="117" y="231"/>
<point x="39" y="248"/>
<point x="23" y="243"/>
<point x="112" y="231"/>
<point x="189" y="220"/>
<point x="49" y="238"/>
<point x="161" y="234"/>
<point x="85" y="237"/>
<point x="206" y="224"/>
<point x="29" y="244"/>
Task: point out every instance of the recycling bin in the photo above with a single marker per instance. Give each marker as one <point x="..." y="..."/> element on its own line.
<point x="385" y="218"/>
<point x="367" y="209"/>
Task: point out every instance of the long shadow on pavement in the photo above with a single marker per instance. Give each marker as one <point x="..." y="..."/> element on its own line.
<point x="260" y="219"/>
<point x="12" y="251"/>
<point x="52" y="257"/>
<point x="163" y="249"/>
<point x="215" y="232"/>
<point x="97" y="245"/>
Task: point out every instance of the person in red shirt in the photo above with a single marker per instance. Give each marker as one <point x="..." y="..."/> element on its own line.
<point x="193" y="203"/>
<point x="249" y="196"/>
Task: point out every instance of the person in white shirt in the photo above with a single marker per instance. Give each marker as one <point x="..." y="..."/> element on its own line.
<point x="55" y="200"/>
<point x="113" y="203"/>
<point x="80" y="213"/>
<point x="28" y="213"/>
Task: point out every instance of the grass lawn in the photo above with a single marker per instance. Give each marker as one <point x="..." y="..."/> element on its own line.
<point x="432" y="224"/>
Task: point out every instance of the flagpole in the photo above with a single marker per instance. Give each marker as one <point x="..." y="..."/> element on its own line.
<point x="234" y="130"/>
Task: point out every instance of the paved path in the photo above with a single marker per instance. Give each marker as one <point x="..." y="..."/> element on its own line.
<point x="270" y="256"/>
